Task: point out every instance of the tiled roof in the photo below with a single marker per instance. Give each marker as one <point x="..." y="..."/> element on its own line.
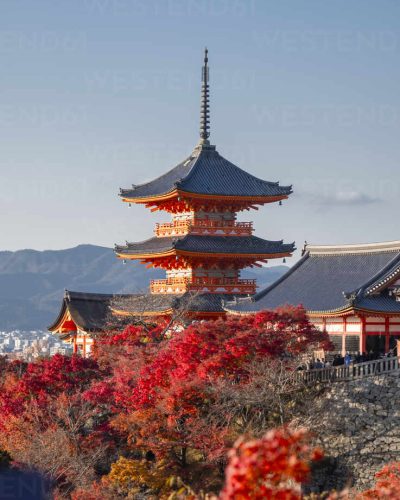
<point x="189" y="301"/>
<point x="207" y="244"/>
<point x="381" y="303"/>
<point x="90" y="311"/>
<point x="93" y="312"/>
<point x="207" y="172"/>
<point x="203" y="302"/>
<point x="142" y="303"/>
<point x="329" y="279"/>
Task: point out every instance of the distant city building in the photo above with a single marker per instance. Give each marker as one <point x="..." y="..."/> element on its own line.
<point x="30" y="345"/>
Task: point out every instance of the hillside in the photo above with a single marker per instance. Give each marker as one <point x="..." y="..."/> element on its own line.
<point x="32" y="282"/>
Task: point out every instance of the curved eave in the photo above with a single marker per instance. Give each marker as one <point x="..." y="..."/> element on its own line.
<point x="167" y="312"/>
<point x="64" y="315"/>
<point x="61" y="318"/>
<point x="381" y="284"/>
<point x="334" y="312"/>
<point x="345" y="311"/>
<point x="185" y="253"/>
<point x="120" y="312"/>
<point x="177" y="193"/>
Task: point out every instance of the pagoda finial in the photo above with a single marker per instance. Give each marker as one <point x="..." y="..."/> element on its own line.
<point x="205" y="102"/>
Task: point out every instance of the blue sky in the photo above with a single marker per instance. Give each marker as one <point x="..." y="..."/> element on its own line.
<point x="99" y="94"/>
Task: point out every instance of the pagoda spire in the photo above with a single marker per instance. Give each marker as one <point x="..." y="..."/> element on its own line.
<point x="205" y="102"/>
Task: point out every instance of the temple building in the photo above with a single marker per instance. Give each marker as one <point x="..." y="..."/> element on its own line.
<point x="351" y="291"/>
<point x="81" y="316"/>
<point x="202" y="249"/>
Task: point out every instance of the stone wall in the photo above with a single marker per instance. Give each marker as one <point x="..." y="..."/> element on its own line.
<point x="358" y="426"/>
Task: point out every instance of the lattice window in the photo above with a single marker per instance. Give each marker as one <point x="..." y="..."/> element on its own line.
<point x="352" y="343"/>
<point x="337" y="342"/>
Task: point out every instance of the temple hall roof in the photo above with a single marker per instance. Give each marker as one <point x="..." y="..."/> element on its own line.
<point x="89" y="311"/>
<point x="334" y="278"/>
<point x="189" y="301"/>
<point x="207" y="172"/>
<point x="235" y="245"/>
<point x="94" y="312"/>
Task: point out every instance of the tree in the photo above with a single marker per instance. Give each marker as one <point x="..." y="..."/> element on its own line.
<point x="45" y="422"/>
<point x="42" y="381"/>
<point x="272" y="467"/>
<point x="387" y="486"/>
<point x="155" y="411"/>
<point x="182" y="405"/>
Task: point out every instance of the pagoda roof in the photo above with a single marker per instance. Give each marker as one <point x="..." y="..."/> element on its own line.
<point x="206" y="172"/>
<point x="334" y="279"/>
<point x="235" y="245"/>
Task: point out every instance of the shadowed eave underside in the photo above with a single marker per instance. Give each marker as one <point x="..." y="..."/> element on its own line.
<point x="234" y="246"/>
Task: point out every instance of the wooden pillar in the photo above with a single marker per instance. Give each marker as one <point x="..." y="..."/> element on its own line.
<point x="344" y="335"/>
<point x="84" y="346"/>
<point x="387" y="334"/>
<point x="363" y="337"/>
<point x="74" y="345"/>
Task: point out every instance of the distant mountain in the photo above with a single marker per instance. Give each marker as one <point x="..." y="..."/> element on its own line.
<point x="32" y="283"/>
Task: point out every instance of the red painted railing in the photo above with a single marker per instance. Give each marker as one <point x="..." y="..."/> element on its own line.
<point x="204" y="226"/>
<point x="211" y="285"/>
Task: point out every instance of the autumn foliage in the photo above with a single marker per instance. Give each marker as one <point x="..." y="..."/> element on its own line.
<point x="387" y="486"/>
<point x="163" y="415"/>
<point x="273" y="466"/>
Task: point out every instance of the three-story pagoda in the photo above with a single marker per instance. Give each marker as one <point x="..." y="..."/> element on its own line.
<point x="204" y="248"/>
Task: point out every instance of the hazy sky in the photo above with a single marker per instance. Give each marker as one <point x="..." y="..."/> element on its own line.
<point x="99" y="94"/>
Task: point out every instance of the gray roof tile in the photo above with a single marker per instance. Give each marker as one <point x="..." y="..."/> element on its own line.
<point x="208" y="244"/>
<point x="207" y="172"/>
<point x="92" y="311"/>
<point x="329" y="281"/>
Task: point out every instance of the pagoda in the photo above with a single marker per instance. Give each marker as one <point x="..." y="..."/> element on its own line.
<point x="204" y="248"/>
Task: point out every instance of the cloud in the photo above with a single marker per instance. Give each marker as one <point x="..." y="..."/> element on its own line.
<point x="341" y="198"/>
<point x="351" y="198"/>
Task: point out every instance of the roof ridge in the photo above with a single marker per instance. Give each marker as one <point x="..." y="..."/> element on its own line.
<point x="89" y="295"/>
<point x="380" y="277"/>
<point x="388" y="246"/>
<point x="196" y="153"/>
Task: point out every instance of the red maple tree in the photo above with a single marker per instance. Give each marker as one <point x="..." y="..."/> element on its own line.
<point x="272" y="467"/>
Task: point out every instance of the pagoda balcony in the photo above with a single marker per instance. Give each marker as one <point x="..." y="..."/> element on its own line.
<point x="205" y="285"/>
<point x="204" y="227"/>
